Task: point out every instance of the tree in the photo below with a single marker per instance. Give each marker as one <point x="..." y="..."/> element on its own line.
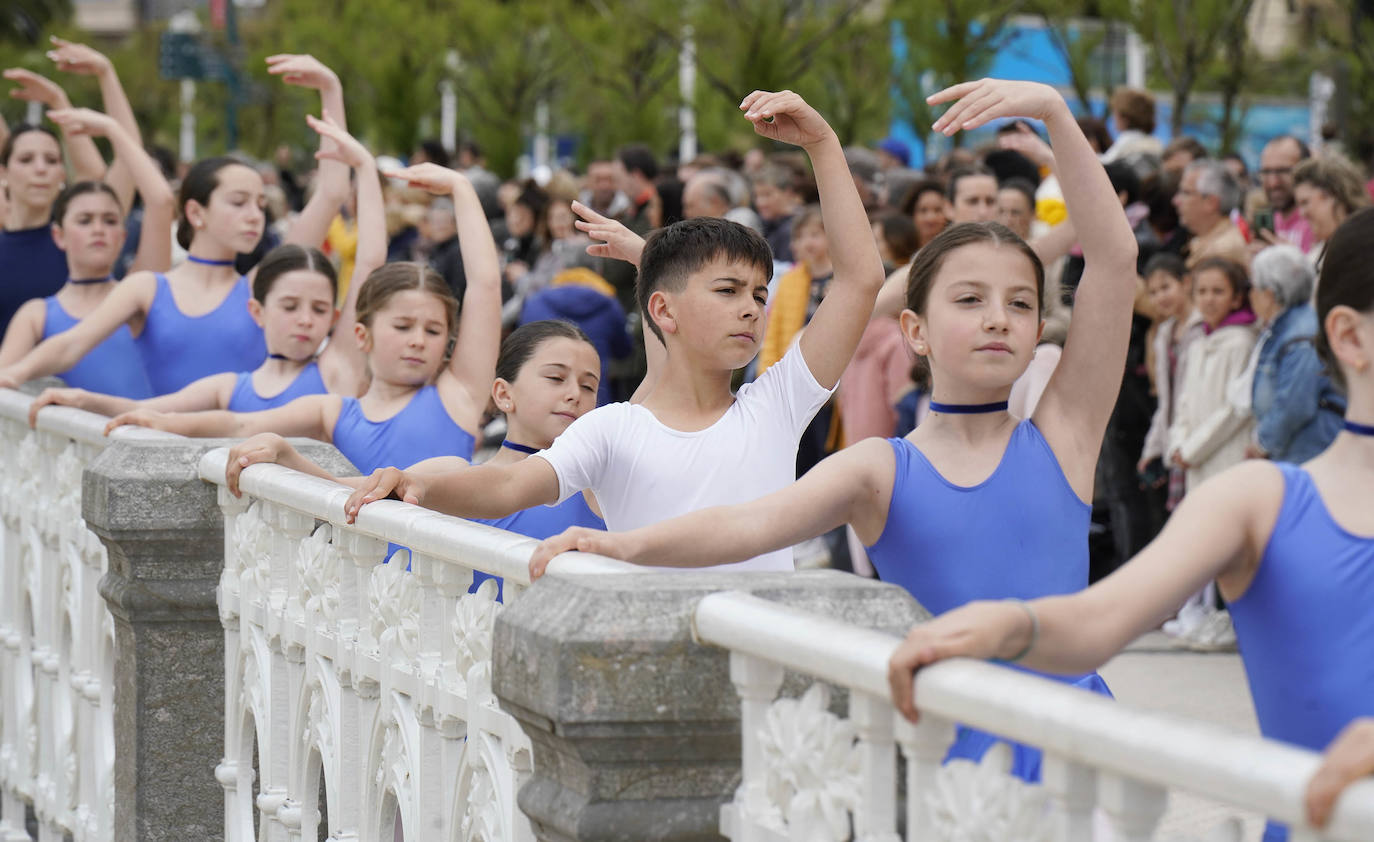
<point x="948" y="41"/>
<point x="1185" y="35"/>
<point x="1077" y="44"/>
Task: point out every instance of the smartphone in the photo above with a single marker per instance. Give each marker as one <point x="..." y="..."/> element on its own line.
<point x="1264" y="220"/>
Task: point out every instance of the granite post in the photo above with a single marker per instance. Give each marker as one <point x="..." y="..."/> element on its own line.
<point x="635" y="726"/>
<point x="163" y="531"/>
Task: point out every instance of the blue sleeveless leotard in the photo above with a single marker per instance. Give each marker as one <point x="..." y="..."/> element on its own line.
<point x="420" y="431"/>
<point x="1020" y="533"/>
<point x="179" y="349"/>
<point x="1304" y="626"/>
<point x="246" y="399"/>
<point x="114" y="367"/>
<point x="541" y="522"/>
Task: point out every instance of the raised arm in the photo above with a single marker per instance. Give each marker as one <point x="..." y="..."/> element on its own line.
<point x="83" y="60"/>
<point x="129" y="299"/>
<point x="834" y="332"/>
<point x="472" y="366"/>
<point x="1218" y="532"/>
<point x="344" y="363"/>
<point x="331" y="182"/>
<point x="82" y="156"/>
<point x="159" y="204"/>
<point x="852" y="486"/>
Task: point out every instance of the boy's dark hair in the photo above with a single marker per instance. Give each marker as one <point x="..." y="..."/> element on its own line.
<point x="1345" y="279"/>
<point x="952" y="186"/>
<point x="638" y="158"/>
<point x="1166" y="262"/>
<point x="676" y="251"/>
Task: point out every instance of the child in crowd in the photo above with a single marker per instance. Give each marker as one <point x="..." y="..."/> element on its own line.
<point x="294" y="289"/>
<point x="937" y="509"/>
<point x="194" y="321"/>
<point x="88" y="226"/>
<point x="801" y="289"/>
<point x="1209" y="432"/>
<point x="1291" y="548"/>
<point x="690" y="443"/>
<point x="420" y="402"/>
<point x="1177" y="324"/>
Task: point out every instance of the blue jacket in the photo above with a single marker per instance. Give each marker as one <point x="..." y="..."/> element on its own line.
<point x="599" y="315"/>
<point x="1297" y="408"/>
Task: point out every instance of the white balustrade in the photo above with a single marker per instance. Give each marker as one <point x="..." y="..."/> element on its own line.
<point x="56" y="634"/>
<point x="810" y="775"/>
<point x="364" y="682"/>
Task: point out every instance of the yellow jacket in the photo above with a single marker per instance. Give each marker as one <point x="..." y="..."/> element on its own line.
<point x="786" y="314"/>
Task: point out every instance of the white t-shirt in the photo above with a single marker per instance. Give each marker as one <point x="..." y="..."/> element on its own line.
<point x="643" y="472"/>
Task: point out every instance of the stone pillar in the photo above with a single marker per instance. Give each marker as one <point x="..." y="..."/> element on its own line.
<point x="635" y="726"/>
<point x="163" y="530"/>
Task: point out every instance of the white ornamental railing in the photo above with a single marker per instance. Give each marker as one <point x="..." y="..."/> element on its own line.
<point x="363" y="682"/>
<point x="56" y="634"/>
<point x="811" y="775"/>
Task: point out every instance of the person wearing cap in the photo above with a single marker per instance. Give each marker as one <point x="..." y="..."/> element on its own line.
<point x="893" y="154"/>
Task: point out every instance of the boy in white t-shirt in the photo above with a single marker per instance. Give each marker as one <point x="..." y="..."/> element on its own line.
<point x="692" y="443"/>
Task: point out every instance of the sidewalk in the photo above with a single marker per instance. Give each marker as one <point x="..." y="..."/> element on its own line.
<point x="1152" y="674"/>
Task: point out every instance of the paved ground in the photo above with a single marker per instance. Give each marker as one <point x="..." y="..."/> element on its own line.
<point x="1212" y="687"/>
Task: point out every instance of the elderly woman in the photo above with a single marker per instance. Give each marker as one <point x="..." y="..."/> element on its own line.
<point x="1327" y="190"/>
<point x="1297" y="410"/>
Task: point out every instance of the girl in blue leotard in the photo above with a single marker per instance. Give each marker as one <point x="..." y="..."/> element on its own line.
<point x="88" y="226"/>
<point x="1290" y="547"/>
<point x="974" y="503"/>
<point x="546" y="378"/>
<point x="193" y="321"/>
<point x="293" y="300"/>
<point x="421" y="402"/>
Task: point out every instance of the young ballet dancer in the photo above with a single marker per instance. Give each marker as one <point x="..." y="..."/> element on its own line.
<point x="973" y="504"/>
<point x="691" y="442"/>
<point x="88" y="226"/>
<point x="294" y="291"/>
<point x="193" y="321"/>
<point x="1290" y="547"/>
<point x="420" y="402"/>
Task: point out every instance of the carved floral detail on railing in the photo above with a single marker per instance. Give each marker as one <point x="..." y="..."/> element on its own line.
<point x="393" y="596"/>
<point x="28" y="470"/>
<point x="318" y="730"/>
<point x="66" y="508"/>
<point x="813" y="761"/>
<point x="317" y="562"/>
<point x="474" y="618"/>
<point x="253" y="538"/>
<point x="481" y="820"/>
<point x="984" y="802"/>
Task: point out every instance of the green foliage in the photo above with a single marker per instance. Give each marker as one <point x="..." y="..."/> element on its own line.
<point x="948" y="41"/>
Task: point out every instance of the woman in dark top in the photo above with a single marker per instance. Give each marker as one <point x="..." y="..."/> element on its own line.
<point x="31" y="264"/>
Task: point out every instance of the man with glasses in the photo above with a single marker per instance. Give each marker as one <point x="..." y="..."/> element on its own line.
<point x="1279" y="159"/>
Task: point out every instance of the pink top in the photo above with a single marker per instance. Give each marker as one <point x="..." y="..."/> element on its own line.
<point x="879" y="372"/>
<point x="1292" y="228"/>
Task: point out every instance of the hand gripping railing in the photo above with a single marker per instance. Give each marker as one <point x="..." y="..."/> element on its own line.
<point x="808" y="774"/>
<point x="359" y="680"/>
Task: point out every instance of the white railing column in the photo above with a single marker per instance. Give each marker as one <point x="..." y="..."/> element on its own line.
<point x="1134" y="807"/>
<point x="757" y="682"/>
<point x="1073" y="787"/>
<point x="924" y="745"/>
<point x="876" y="816"/>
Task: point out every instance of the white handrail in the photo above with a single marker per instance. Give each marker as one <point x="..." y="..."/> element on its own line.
<point x="1255" y="774"/>
<point x="485" y="548"/>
